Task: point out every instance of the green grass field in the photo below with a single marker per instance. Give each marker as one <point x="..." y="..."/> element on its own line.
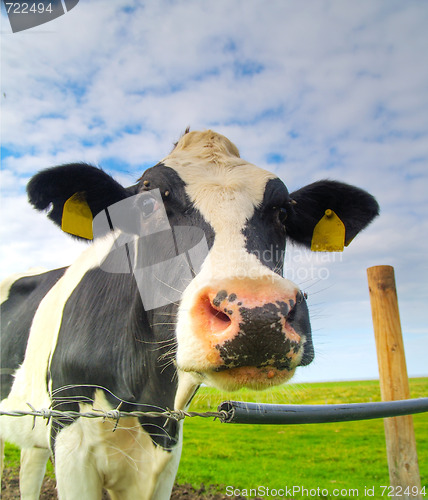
<point x="329" y="456"/>
<point x="333" y="457"/>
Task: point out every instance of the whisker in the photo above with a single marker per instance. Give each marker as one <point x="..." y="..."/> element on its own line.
<point x="166" y="346"/>
<point x="167" y="365"/>
<point x="169" y="286"/>
<point x="82" y="399"/>
<point x="156" y="341"/>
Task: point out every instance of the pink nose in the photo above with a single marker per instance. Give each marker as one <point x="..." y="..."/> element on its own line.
<point x="246" y="325"/>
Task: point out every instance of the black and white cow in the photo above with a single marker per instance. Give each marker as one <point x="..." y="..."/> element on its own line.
<point x="84" y="337"/>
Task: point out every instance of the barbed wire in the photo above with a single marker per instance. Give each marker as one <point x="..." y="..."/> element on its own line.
<point x="115" y="414"/>
<point x="241" y="412"/>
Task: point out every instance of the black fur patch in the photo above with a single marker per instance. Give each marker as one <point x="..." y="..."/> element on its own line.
<point x="261" y="340"/>
<point x="178" y="207"/>
<point x="264" y="233"/>
<point x="17" y="314"/>
<point x="107" y="340"/>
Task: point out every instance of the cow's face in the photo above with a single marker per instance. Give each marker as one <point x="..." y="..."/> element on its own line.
<point x="239" y="322"/>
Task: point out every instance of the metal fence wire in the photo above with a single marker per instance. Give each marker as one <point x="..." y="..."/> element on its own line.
<point x="251" y="413"/>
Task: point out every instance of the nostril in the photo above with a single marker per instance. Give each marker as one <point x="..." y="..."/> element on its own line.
<point x="213" y="316"/>
<point x="221" y="316"/>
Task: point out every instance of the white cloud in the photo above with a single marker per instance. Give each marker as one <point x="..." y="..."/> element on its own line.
<point x="30" y="240"/>
<point x="331" y="89"/>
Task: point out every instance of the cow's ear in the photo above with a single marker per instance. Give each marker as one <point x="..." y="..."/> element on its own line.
<point x="74" y="194"/>
<point x="327" y="215"/>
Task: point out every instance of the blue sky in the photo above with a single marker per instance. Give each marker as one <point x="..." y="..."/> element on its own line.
<point x="309" y="90"/>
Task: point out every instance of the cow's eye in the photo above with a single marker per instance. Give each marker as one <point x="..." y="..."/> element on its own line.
<point x="281" y="214"/>
<point x="148" y="206"/>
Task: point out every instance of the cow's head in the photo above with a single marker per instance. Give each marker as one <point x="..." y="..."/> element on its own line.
<point x="238" y="321"/>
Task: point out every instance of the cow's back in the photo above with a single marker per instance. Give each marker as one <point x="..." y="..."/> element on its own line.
<point x="21" y="296"/>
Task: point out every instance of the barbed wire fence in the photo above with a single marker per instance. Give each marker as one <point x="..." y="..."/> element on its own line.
<point x="114" y="414"/>
<point x="249" y="413"/>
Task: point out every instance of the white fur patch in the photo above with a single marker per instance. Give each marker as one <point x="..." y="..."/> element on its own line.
<point x="226" y="190"/>
<point x="222" y="186"/>
<point x="30" y="379"/>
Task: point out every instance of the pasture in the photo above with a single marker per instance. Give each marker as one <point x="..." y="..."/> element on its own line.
<point x="336" y="455"/>
<point x="348" y="455"/>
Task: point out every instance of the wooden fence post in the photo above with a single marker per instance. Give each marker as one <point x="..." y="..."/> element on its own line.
<point x="394" y="383"/>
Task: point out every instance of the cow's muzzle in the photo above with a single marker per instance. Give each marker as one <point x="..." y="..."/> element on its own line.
<point x="255" y="330"/>
<point x="262" y="338"/>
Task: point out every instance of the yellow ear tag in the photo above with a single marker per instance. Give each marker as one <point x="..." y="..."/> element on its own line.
<point x="77" y="217"/>
<point x="329" y="234"/>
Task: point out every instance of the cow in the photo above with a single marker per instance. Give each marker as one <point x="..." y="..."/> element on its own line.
<point x="181" y="285"/>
